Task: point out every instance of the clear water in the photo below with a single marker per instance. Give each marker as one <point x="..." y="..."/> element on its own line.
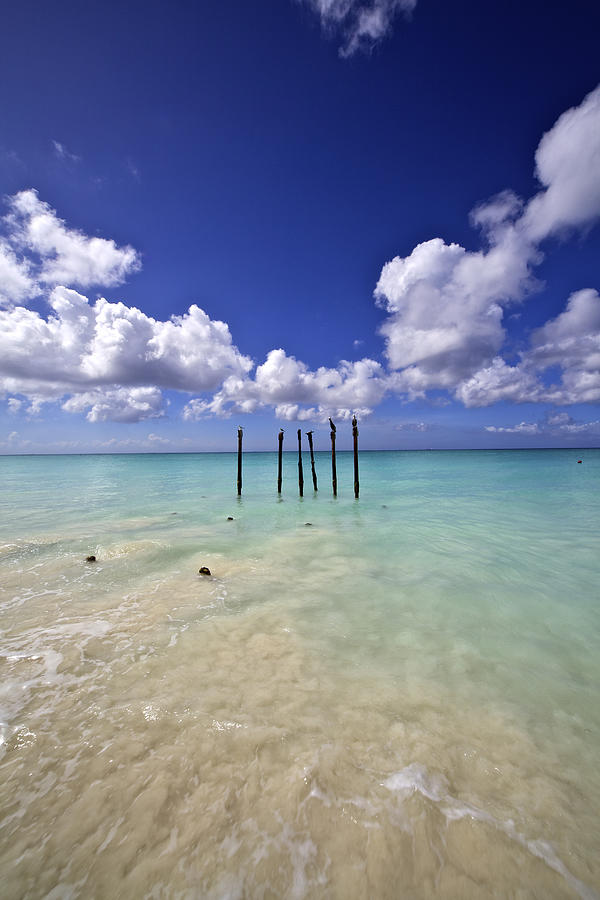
<point x="400" y="699"/>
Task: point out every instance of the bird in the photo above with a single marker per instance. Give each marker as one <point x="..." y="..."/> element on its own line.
<point x="354" y="422"/>
<point x="331" y="423"/>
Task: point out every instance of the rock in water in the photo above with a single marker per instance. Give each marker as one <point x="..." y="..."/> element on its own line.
<point x="230" y="518"/>
<point x="204" y="570"/>
<point x="90" y="559"/>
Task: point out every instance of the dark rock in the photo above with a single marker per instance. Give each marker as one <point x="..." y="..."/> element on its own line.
<point x="230" y="518"/>
<point x="308" y="523"/>
<point x="204" y="570"/>
<point x="90" y="559"/>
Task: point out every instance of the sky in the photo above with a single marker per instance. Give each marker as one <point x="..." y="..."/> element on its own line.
<point x="268" y="213"/>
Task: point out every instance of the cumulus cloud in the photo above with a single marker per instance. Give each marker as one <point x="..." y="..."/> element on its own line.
<point x="64" y="255"/>
<point x="572" y="340"/>
<point x="298" y="393"/>
<point x="500" y="381"/>
<point x="114" y="358"/>
<point x="16" y="281"/>
<point x="362" y="23"/>
<point x="446" y="304"/>
<point x="118" y="404"/>
<point x="111" y="361"/>
<point x="446" y="307"/>
<point x="568" y="166"/>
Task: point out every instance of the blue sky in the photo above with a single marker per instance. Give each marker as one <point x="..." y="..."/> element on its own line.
<point x="268" y="213"/>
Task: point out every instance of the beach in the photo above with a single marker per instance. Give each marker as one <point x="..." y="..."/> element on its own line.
<point x="396" y="696"/>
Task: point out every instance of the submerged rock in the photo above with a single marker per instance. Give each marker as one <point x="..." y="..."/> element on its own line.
<point x="230" y="518"/>
<point x="204" y="570"/>
<point x="308" y="523"/>
<point x="90" y="559"/>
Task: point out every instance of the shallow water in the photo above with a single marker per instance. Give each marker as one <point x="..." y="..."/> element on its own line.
<point x="399" y="699"/>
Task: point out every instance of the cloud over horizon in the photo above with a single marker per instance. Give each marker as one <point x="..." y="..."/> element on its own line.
<point x="444" y="327"/>
<point x="446" y="305"/>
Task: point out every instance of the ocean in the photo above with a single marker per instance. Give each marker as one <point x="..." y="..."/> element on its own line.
<point x="396" y="696"/>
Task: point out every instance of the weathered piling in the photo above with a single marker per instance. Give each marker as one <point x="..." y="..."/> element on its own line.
<point x="239" y="474"/>
<point x="333" y="468"/>
<point x="312" y="460"/>
<point x="300" y="472"/>
<point x="355" y="437"/>
<point x="280" y="439"/>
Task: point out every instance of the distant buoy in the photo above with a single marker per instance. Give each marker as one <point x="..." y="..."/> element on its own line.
<point x="579" y="460"/>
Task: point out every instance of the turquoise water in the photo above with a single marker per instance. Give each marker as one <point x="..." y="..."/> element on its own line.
<point x="398" y="699"/>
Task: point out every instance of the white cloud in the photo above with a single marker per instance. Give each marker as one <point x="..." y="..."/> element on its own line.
<point x="157" y="439"/>
<point x="112" y="362"/>
<point x="568" y="166"/>
<point x="522" y="428"/>
<point x="446" y="308"/>
<point x="554" y="424"/>
<point x="292" y="412"/>
<point x="362" y="23"/>
<point x="66" y="256"/>
<point x="446" y="305"/>
<point x="296" y="392"/>
<point x="62" y="153"/>
<point x="572" y="340"/>
<point x="101" y="351"/>
<point x="582" y="427"/>
<point x="499" y="381"/>
<point x="118" y="404"/>
<point x="16" y="281"/>
<point x="412" y="426"/>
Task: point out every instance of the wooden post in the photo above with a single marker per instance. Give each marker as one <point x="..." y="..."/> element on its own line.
<point x="312" y="460"/>
<point x="280" y="439"/>
<point x="333" y="468"/>
<point x="239" y="478"/>
<point x="300" y="473"/>
<point x="355" y="436"/>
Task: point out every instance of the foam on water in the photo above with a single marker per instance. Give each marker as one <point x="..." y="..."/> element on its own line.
<point x="400" y="700"/>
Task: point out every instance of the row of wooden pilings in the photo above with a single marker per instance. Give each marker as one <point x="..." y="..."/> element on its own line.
<point x="309" y="434"/>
